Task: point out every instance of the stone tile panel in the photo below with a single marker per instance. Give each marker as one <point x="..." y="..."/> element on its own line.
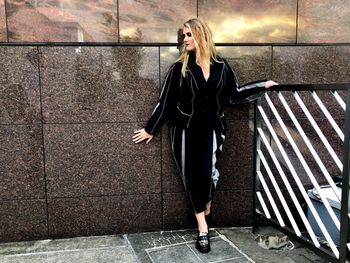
<point x="62" y="21"/>
<point x="3" y="29"/>
<point x="19" y="86"/>
<point x="111" y="255"/>
<point x="104" y="215"/>
<point x="99" y="159"/>
<point x="58" y="245"/>
<point x="99" y="84"/>
<point x="236" y="163"/>
<point x="173" y="254"/>
<point x="177" y="212"/>
<point x="153" y="21"/>
<point x="323" y="21"/>
<point x="249" y="64"/>
<point x="232" y="208"/>
<point x="21" y="162"/>
<point x="23" y="220"/>
<point x="311" y="64"/>
<point x="250" y="21"/>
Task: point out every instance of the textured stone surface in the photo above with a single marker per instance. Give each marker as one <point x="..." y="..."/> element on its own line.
<point x="56" y="245"/>
<point x="104" y="215"/>
<point x="311" y="64"/>
<point x="157" y="243"/>
<point x="19" y="85"/>
<point x="112" y="255"/>
<point x="99" y="159"/>
<point x="21" y="162"/>
<point x="23" y="220"/>
<point x="250" y="21"/>
<point x="245" y="240"/>
<point x="177" y="212"/>
<point x="168" y="55"/>
<point x="232" y="208"/>
<point x="236" y="164"/>
<point x="221" y="250"/>
<point x="57" y="21"/>
<point x="99" y="84"/>
<point x="323" y="21"/>
<point x="173" y="254"/>
<point x="153" y="21"/>
<point x="249" y="64"/>
<point x="234" y="245"/>
<point x="3" y="29"/>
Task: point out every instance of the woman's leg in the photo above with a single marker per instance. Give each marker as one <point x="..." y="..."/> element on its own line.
<point x="207" y="211"/>
<point x="202" y="224"/>
<point x="202" y="243"/>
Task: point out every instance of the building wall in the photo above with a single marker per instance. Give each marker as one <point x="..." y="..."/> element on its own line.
<point x="68" y="166"/>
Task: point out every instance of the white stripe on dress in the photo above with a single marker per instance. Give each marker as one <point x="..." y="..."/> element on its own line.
<point x="215" y="172"/>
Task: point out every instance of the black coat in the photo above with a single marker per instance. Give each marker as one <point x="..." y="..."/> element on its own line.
<point x="194" y="103"/>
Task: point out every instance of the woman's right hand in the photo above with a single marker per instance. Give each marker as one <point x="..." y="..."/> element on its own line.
<point x="141" y="135"/>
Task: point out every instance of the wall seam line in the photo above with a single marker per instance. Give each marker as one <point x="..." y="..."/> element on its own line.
<point x="43" y="141"/>
<point x="7" y="28"/>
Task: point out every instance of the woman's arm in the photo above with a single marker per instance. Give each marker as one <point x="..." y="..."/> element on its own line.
<point x="244" y="93"/>
<point x="164" y="107"/>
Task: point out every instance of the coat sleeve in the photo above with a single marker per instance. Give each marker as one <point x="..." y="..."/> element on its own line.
<point x="237" y="93"/>
<point x="167" y="101"/>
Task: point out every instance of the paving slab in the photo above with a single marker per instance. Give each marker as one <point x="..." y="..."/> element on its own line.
<point x="228" y="245"/>
<point x="246" y="241"/>
<point x="51" y="245"/>
<point x="109" y="249"/>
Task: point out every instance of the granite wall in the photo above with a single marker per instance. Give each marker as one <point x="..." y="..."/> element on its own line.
<point x="68" y="166"/>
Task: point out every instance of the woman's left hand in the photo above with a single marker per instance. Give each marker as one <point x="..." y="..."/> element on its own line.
<point x="270" y="83"/>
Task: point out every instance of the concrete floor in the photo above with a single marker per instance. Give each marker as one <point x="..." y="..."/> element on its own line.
<point x="229" y="245"/>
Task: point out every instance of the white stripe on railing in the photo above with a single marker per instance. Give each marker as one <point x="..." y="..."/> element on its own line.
<point x="298" y="153"/>
<point x="328" y="115"/>
<point x="284" y="177"/>
<point x="278" y="191"/>
<point x="272" y="201"/>
<point x="339" y="99"/>
<point x="309" y="144"/>
<point x="300" y="185"/>
<point x="319" y="132"/>
<point x="262" y="202"/>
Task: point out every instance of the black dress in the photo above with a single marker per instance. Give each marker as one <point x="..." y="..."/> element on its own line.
<point x="195" y="107"/>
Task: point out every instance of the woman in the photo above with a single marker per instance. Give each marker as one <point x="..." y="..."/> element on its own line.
<point x="195" y="91"/>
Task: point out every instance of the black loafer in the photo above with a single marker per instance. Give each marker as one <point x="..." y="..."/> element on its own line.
<point x="203" y="243"/>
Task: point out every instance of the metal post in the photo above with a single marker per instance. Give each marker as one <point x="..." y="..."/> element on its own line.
<point x="257" y="146"/>
<point x="344" y="219"/>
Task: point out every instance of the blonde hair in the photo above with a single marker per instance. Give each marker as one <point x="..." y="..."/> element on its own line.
<point x="203" y="41"/>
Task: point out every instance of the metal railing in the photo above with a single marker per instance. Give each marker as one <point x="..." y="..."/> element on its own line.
<point x="302" y="164"/>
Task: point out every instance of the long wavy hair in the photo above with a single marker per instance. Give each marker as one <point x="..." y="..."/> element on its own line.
<point x="203" y="41"/>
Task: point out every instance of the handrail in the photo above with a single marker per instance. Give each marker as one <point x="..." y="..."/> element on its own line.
<point x="276" y="151"/>
<point x="306" y="87"/>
